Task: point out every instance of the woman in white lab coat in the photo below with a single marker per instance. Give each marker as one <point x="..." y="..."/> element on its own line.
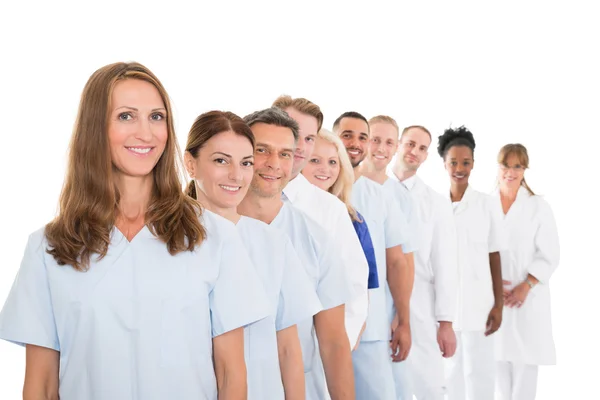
<point x="220" y="157"/>
<point x="471" y="372"/>
<point x="127" y="293"/>
<point x="525" y="339"/>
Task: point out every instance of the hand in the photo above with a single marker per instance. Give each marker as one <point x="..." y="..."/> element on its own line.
<point x="506" y="291"/>
<point x="446" y="339"/>
<point x="517" y="295"/>
<point x="494" y="320"/>
<point x="401" y="340"/>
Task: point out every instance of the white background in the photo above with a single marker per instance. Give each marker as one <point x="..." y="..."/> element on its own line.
<point x="517" y="72"/>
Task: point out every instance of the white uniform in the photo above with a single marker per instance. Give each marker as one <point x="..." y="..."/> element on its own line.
<point x="372" y="362"/>
<point x="434" y="296"/>
<point x="332" y="215"/>
<point x="291" y="296"/>
<point x="407" y="202"/>
<point x="471" y="372"/>
<point x="324" y="267"/>
<point x="139" y="323"/>
<point x="525" y="338"/>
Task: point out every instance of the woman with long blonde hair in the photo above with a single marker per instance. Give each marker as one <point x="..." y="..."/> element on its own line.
<point x="329" y="168"/>
<point x="131" y="291"/>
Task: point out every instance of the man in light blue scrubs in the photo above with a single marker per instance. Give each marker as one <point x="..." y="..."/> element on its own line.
<point x="389" y="231"/>
<point x="326" y="356"/>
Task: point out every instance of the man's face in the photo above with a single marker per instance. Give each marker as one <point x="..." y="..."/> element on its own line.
<point x="354" y="133"/>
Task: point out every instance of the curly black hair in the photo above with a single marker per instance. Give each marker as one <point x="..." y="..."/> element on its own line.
<point x="455" y="137"/>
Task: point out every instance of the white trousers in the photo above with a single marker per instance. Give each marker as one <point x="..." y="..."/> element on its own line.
<point x="372" y="364"/>
<point x="422" y="374"/>
<point x="471" y="372"/>
<point x="516" y="381"/>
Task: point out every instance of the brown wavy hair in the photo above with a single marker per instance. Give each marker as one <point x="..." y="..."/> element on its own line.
<point x="208" y="125"/>
<point x="519" y="151"/>
<point x="89" y="198"/>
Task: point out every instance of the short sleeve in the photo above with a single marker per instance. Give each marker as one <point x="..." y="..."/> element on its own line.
<point x="298" y="300"/>
<point x="27" y="316"/>
<point x="396" y="227"/>
<point x="497" y="239"/>
<point x="238" y="296"/>
<point x="362" y="230"/>
<point x="333" y="287"/>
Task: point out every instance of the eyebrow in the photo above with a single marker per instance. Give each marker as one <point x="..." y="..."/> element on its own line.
<point x="135" y="109"/>
<point x="220" y="152"/>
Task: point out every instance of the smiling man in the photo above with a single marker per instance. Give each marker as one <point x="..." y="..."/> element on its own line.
<point x="434" y="298"/>
<point x="388" y="229"/>
<point x="327" y="210"/>
<point x="328" y="365"/>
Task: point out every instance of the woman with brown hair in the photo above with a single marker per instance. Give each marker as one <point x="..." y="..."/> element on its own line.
<point x="525" y="338"/>
<point x="131" y="291"/>
<point x="220" y="159"/>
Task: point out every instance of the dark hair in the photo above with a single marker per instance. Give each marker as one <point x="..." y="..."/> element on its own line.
<point x="207" y="126"/>
<point x="349" y="114"/>
<point x="273" y="116"/>
<point x="455" y="137"/>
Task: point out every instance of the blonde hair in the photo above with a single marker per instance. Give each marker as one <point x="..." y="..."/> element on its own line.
<point x="302" y="105"/>
<point x="519" y="151"/>
<point x="342" y="187"/>
<point x="384" y="119"/>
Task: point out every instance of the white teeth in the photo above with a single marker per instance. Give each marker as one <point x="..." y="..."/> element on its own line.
<point x="321" y="177"/>
<point x="459" y="176"/>
<point x="380" y="157"/>
<point x="271" y="178"/>
<point x="139" y="150"/>
<point x="230" y="188"/>
<point x="354" y="152"/>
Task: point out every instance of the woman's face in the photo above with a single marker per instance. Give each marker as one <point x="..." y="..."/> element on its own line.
<point x="323" y="168"/>
<point x="137" y="127"/>
<point x="511" y="173"/>
<point x="223" y="170"/>
<point x="459" y="163"/>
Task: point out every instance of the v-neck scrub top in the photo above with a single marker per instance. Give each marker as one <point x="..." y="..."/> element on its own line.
<point x="139" y="323"/>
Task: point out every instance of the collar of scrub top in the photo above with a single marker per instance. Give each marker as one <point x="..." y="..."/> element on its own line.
<point x="407" y="183"/>
<point x="295" y="187"/>
<point x="522" y="193"/>
<point x="464" y="202"/>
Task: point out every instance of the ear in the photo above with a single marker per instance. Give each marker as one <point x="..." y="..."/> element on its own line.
<point x="190" y="164"/>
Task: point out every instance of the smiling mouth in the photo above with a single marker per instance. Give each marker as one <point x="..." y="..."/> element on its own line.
<point x="140" y="150"/>
<point x="322" y="177"/>
<point x="459" y="176"/>
<point x="230" y="188"/>
<point x="378" y="157"/>
<point x="269" y="178"/>
<point x="354" y="152"/>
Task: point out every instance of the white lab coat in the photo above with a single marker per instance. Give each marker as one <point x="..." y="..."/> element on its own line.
<point x="434" y="296"/>
<point x="332" y="215"/>
<point x="480" y="232"/>
<point x="525" y="336"/>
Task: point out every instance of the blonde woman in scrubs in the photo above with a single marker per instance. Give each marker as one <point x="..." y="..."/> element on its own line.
<point x="525" y="339"/>
<point x="131" y="292"/>
<point x="471" y="372"/>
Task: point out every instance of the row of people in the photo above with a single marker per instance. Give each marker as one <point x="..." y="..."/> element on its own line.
<point x="293" y="266"/>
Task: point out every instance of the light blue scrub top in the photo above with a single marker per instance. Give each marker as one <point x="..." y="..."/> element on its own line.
<point x="388" y="228"/>
<point x="139" y="323"/>
<point x="292" y="298"/>
<point x="408" y="205"/>
<point x="324" y="267"/>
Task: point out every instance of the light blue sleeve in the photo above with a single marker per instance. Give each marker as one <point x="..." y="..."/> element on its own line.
<point x="396" y="227"/>
<point x="298" y="300"/>
<point x="27" y="316"/>
<point x="334" y="287"/>
<point x="238" y="296"/>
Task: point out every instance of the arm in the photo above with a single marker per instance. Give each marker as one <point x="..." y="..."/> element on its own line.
<point x="230" y="366"/>
<point x="41" y="373"/>
<point x="290" y="363"/>
<point x="335" y="353"/>
<point x="400" y="281"/>
<point x="547" y="248"/>
<point x="495" y="316"/>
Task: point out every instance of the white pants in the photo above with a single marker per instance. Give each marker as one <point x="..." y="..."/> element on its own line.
<point x="422" y="374"/>
<point x="516" y="381"/>
<point x="372" y="364"/>
<point x="471" y="372"/>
